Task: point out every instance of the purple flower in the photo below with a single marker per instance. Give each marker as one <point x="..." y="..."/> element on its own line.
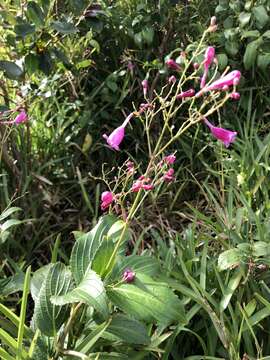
<point x="128" y="275"/>
<point x="170" y="159"/>
<point x="145" y="86"/>
<point x="235" y="96"/>
<point x="107" y="198"/>
<point x="185" y="94"/>
<point x="171" y="64"/>
<point x="230" y="79"/>
<point x="208" y="59"/>
<point x="226" y="136"/>
<point x="116" y="137"/>
<point x="21" y="118"/>
<point x="168" y="177"/>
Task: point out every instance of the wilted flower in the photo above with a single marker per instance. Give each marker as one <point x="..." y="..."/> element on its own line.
<point x="226" y="136"/>
<point x="116" y="137"/>
<point x="128" y="275"/>
<point x="208" y="59"/>
<point x="168" y="177"/>
<point x="170" y="159"/>
<point x="235" y="95"/>
<point x="21" y="118"/>
<point x="172" y="79"/>
<point x="171" y="64"/>
<point x="145" y="86"/>
<point x="107" y="198"/>
<point x="185" y="94"/>
<point x="130" y="167"/>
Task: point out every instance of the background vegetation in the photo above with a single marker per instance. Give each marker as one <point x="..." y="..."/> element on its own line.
<point x="202" y="244"/>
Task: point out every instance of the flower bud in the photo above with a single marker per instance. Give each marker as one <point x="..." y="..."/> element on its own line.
<point x="128" y="275"/>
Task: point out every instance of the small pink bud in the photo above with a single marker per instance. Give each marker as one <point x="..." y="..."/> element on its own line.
<point x="148" y="187"/>
<point x="145" y="87"/>
<point x="226" y="136"/>
<point x="128" y="275"/>
<point x="170" y="159"/>
<point x="235" y="96"/>
<point x="171" y="64"/>
<point x="172" y="79"/>
<point x="196" y="66"/>
<point x="186" y="94"/>
<point x="107" y="198"/>
<point x="130" y="167"/>
<point x="168" y="177"/>
<point x="227" y="80"/>
<point x="21" y="118"/>
<point x="209" y="56"/>
<point x="213" y="21"/>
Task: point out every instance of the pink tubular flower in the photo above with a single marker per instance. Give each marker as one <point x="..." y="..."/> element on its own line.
<point x="228" y="80"/>
<point x="142" y="183"/>
<point x="186" y="94"/>
<point x="171" y="64"/>
<point x="235" y="96"/>
<point x="21" y="118"/>
<point x="226" y="136"/>
<point x="170" y="159"/>
<point x="208" y="59"/>
<point x="128" y="275"/>
<point x="168" y="177"/>
<point x="172" y="79"/>
<point x="107" y="198"/>
<point x="116" y="137"/>
<point x="145" y="86"/>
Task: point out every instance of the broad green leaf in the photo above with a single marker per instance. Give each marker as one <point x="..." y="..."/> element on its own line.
<point x="251" y="53"/>
<point x="244" y="18"/>
<point x="261" y="248"/>
<point x="230" y="289"/>
<point x="250" y="34"/>
<point x="90" y="291"/>
<point x="12" y="284"/>
<point x="86" y="246"/>
<point x="31" y="63"/>
<point x="24" y="29"/>
<point x="84" y="64"/>
<point x="64" y="27"/>
<point x="47" y="316"/>
<point x="232" y="47"/>
<point x="229" y="258"/>
<point x="35" y="14"/>
<point x="222" y="61"/>
<point x="263" y="61"/>
<point x="128" y="330"/>
<point x="148" y="300"/>
<point x="11" y="70"/>
<point x="261" y="15"/>
<point x="38" y="279"/>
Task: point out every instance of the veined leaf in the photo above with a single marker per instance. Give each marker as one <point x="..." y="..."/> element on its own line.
<point x="12" y="70"/>
<point x="229" y="258"/>
<point x="87" y="245"/>
<point x="90" y="291"/>
<point x="148" y="300"/>
<point x="230" y="289"/>
<point x="47" y="316"/>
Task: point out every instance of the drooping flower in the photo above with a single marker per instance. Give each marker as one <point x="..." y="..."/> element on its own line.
<point x="107" y="198"/>
<point x="235" y="95"/>
<point x="172" y="79"/>
<point x="171" y="64"/>
<point x="145" y="87"/>
<point x="130" y="167"/>
<point x="128" y="275"/>
<point x="208" y="59"/>
<point x="170" y="159"/>
<point x="169" y="175"/>
<point x="228" y="80"/>
<point x="186" y="94"/>
<point x="226" y="136"/>
<point x="116" y="137"/>
<point x="21" y="118"/>
<point x="142" y="183"/>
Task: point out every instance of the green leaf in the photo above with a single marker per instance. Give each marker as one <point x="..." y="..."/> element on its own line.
<point x="232" y="47"/>
<point x="244" y="18"/>
<point x="148" y="300"/>
<point x="64" y="27"/>
<point x="107" y="356"/>
<point x="24" y="29"/>
<point x="229" y="258"/>
<point x="263" y="61"/>
<point x="12" y="284"/>
<point x="35" y="14"/>
<point x="11" y="70"/>
<point x="9" y="223"/>
<point x="230" y="289"/>
<point x="31" y="63"/>
<point x="260" y="15"/>
<point x="90" y="291"/>
<point x="128" y="330"/>
<point x="251" y="54"/>
<point x="47" y="316"/>
<point x="250" y="34"/>
<point x="87" y="245"/>
<point x="38" y="279"/>
<point x="8" y="212"/>
<point x="222" y="61"/>
<point x="261" y="248"/>
<point x="84" y="64"/>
